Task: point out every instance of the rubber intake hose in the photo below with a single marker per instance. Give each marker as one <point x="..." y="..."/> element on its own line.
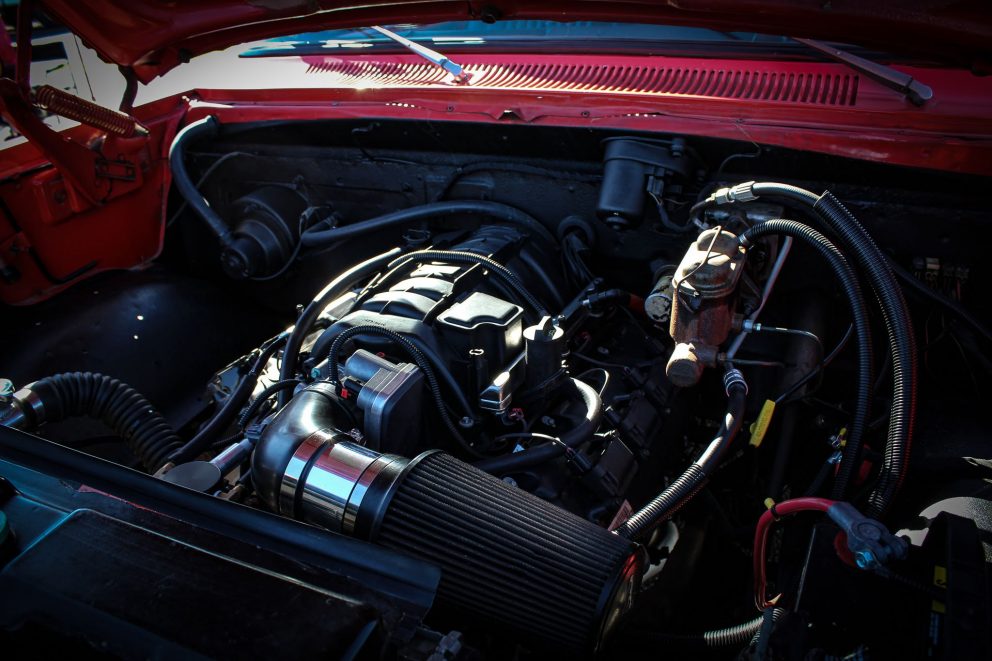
<point x="492" y="210"/>
<point x="333" y="290"/>
<point x="89" y="394"/>
<point x="859" y="317"/>
<point x="507" y="557"/>
<point x="208" y="127"/>
<point x="540" y="454"/>
<point x="687" y="485"/>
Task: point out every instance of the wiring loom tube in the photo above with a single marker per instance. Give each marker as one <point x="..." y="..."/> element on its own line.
<point x="859" y="314"/>
<point x="898" y="326"/>
<point x="867" y="256"/>
<point x="687" y="485"/>
<point x="736" y="635"/>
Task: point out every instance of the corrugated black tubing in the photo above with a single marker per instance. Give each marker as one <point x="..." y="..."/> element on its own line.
<point x="859" y="316"/>
<point x="505" y="554"/>
<point x="116" y="404"/>
<point x="898" y="324"/>
<point x="687" y="485"/>
<point x="736" y="635"/>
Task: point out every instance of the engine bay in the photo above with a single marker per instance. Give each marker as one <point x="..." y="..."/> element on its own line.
<point x="630" y="394"/>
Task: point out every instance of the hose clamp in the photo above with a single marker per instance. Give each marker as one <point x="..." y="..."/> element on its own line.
<point x="733" y="377"/>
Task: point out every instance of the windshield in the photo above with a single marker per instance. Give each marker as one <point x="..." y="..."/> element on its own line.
<point x="573" y="37"/>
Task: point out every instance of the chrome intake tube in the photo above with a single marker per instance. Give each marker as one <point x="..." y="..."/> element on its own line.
<point x="506" y="556"/>
<point x="304" y="468"/>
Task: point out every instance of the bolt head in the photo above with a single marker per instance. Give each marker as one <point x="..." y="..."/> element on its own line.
<point x="466" y="422"/>
<point x="865" y="559"/>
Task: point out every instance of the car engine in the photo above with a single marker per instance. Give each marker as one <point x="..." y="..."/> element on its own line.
<point x="581" y="373"/>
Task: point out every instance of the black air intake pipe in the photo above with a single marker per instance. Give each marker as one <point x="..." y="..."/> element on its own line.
<point x="506" y="556"/>
<point x="90" y="394"/>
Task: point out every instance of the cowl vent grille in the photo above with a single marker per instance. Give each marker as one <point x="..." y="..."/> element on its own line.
<point x="781" y="82"/>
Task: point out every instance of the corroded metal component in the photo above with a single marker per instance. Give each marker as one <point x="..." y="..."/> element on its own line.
<point x="702" y="307"/>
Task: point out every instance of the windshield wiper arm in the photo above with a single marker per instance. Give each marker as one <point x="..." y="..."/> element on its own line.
<point x="912" y="89"/>
<point x="461" y="76"/>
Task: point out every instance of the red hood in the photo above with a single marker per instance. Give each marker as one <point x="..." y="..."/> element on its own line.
<point x="153" y="36"/>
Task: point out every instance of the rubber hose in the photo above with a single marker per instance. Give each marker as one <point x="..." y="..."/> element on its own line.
<point x="324" y="346"/>
<point x="334" y="289"/>
<point x="418" y="358"/>
<point x="203" y="439"/>
<point x="687" y="485"/>
<point x="493" y="210"/>
<point x="545" y="452"/>
<point x="506" y="275"/>
<point x="898" y="324"/>
<point x="859" y="315"/>
<point x="119" y="406"/>
<point x="541" y="274"/>
<point x="267" y="392"/>
<point x="207" y="127"/>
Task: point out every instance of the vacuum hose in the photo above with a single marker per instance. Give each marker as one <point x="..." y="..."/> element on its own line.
<point x="859" y="314"/>
<point x="669" y="501"/>
<point x="93" y="395"/>
<point x="539" y="454"/>
<point x="207" y="127"/>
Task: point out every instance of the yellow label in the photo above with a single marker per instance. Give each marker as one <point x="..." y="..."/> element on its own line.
<point x="769" y="503"/>
<point x="940" y="576"/>
<point x="760" y="426"/>
<point x="940" y="580"/>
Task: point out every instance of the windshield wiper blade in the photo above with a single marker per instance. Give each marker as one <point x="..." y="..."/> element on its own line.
<point x="461" y="76"/>
<point x="912" y="89"/>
